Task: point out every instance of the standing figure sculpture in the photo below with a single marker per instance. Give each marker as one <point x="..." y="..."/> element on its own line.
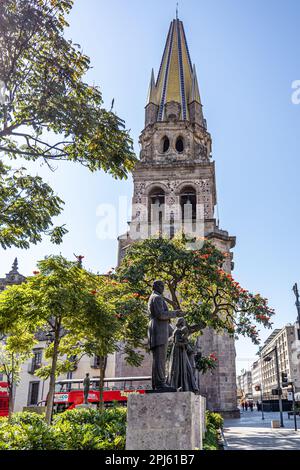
<point x="181" y="373"/>
<point x="86" y="387"/>
<point x="159" y="332"/>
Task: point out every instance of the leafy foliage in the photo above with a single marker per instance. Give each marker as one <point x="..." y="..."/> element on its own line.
<point x="205" y="363"/>
<point x="83" y="313"/>
<point x="214" y="422"/>
<point x="48" y="113"/>
<point x="92" y="429"/>
<point x="27" y="206"/>
<point x="197" y="284"/>
<point x="214" y="419"/>
<point x="27" y="431"/>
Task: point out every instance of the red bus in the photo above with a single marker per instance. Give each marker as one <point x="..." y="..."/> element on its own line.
<point x="3" y="399"/>
<point x="69" y="392"/>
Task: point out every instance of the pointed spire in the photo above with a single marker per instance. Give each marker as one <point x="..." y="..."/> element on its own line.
<point x="176" y="76"/>
<point x="195" y="95"/>
<point x="152" y="90"/>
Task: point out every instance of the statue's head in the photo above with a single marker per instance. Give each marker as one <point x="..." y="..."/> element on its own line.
<point x="158" y="286"/>
<point x="180" y="322"/>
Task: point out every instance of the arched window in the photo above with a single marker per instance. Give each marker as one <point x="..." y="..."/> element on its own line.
<point x="172" y="226"/>
<point x="165" y="144"/>
<point x="156" y="211"/>
<point x="179" y="144"/>
<point x="188" y="203"/>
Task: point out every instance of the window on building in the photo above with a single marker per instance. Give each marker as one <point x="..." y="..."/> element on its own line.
<point x="165" y="144"/>
<point x="37" y="356"/>
<point x="172" y="227"/>
<point x="156" y="211"/>
<point x="33" y="394"/>
<point x="95" y="362"/>
<point x="188" y="204"/>
<point x="36" y="361"/>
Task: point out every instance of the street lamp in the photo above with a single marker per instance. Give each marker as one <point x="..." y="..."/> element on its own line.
<point x="268" y="358"/>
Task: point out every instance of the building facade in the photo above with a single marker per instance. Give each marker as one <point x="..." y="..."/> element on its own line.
<point x="286" y="341"/>
<point x="263" y="373"/>
<point x="175" y="190"/>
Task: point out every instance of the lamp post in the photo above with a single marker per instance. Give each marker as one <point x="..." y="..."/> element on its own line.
<point x="297" y="303"/>
<point x="268" y="358"/>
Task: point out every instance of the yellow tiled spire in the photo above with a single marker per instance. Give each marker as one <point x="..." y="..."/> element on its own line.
<point x="177" y="79"/>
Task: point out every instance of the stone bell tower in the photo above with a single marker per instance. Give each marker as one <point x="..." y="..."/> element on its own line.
<point x="174" y="184"/>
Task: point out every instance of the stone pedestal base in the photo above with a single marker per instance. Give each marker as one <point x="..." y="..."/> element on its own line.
<point x="165" y="421"/>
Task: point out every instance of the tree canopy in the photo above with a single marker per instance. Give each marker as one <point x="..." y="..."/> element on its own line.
<point x="80" y="312"/>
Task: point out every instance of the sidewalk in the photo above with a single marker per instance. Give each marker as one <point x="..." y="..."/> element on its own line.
<point x="250" y="432"/>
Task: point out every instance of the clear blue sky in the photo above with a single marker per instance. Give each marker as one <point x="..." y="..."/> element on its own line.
<point x="247" y="56"/>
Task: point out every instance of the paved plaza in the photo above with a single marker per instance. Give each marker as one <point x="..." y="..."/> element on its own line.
<point x="250" y="432"/>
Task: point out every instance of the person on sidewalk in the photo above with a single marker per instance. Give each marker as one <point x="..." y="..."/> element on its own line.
<point x="246" y="405"/>
<point x="251" y="405"/>
<point x="243" y="405"/>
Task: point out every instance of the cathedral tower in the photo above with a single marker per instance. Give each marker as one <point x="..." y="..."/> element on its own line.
<point x="174" y="183"/>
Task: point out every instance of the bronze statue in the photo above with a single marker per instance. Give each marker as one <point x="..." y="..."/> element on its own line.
<point x="86" y="387"/>
<point x="159" y="332"/>
<point x="181" y="372"/>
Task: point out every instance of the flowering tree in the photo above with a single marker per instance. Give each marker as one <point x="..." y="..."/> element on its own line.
<point x="196" y="283"/>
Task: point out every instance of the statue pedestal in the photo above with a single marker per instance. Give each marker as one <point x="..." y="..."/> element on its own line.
<point x="165" y="421"/>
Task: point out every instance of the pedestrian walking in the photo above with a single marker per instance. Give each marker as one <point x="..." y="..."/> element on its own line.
<point x="243" y="406"/>
<point x="246" y="406"/>
<point x="251" y="405"/>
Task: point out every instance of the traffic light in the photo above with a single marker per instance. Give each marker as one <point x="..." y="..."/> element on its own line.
<point x="284" y="379"/>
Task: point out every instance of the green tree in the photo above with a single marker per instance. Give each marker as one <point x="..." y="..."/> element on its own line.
<point x="116" y="322"/>
<point x="82" y="313"/>
<point x="48" y="113"/>
<point x="196" y="283"/>
<point x="53" y="301"/>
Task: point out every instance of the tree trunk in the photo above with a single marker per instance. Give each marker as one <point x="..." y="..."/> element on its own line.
<point x="52" y="376"/>
<point x="102" y="367"/>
